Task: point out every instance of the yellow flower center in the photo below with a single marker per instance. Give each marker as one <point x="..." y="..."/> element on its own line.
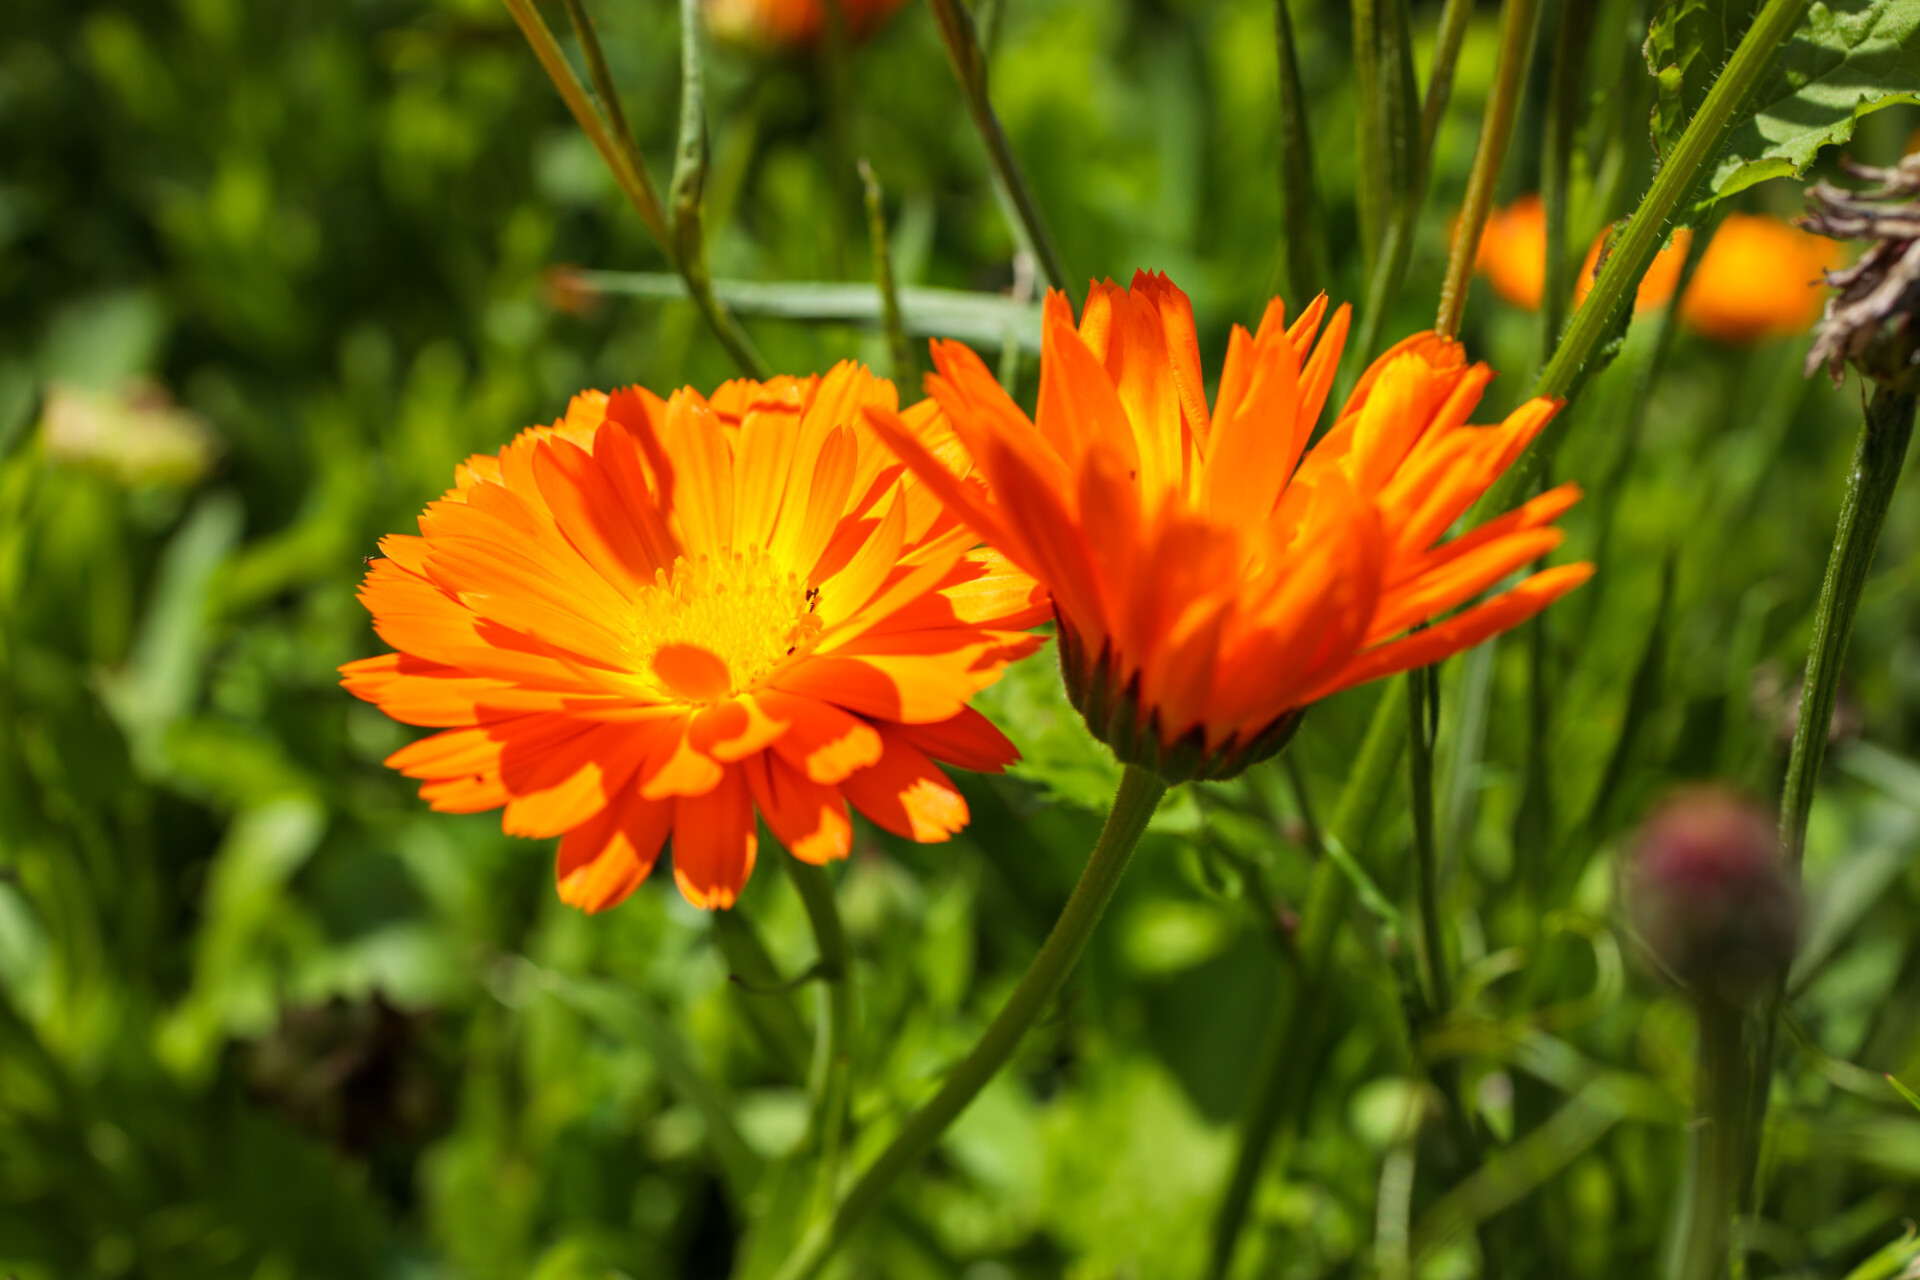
<point x="719" y="625"/>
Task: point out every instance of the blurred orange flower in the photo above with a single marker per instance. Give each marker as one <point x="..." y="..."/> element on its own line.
<point x="1208" y="580"/>
<point x="787" y="24"/>
<point x="1656" y="287"/>
<point x="1759" y="277"/>
<point x="653" y="618"/>
<point x="1513" y="252"/>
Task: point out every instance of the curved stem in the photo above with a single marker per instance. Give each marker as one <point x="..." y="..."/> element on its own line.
<point x="1877" y="460"/>
<point x="1496" y="130"/>
<point x="833" y="1055"/>
<point x="1138" y="796"/>
<point x="1290" y="1050"/>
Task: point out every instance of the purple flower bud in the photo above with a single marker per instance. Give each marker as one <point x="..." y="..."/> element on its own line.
<point x="1711" y="896"/>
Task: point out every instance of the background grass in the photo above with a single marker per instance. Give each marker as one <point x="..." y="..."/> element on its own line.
<point x="262" y="1015"/>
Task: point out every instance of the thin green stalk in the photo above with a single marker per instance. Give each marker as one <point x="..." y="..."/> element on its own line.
<point x="1454" y="17"/>
<point x="1633" y="251"/>
<point x="686" y="200"/>
<point x="1877" y="460"/>
<point x="602" y="78"/>
<point x="1133" y="806"/>
<point x="898" y="347"/>
<point x="1421" y="684"/>
<point x="631" y="177"/>
<point x="1289" y="1054"/>
<point x="1517" y="19"/>
<point x="1304" y="248"/>
<point x="970" y="69"/>
<point x="1723" y="1083"/>
<point x="833" y="1049"/>
<point x="678" y="236"/>
<point x="1565" y="105"/>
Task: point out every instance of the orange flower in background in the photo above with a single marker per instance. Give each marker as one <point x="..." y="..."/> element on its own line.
<point x="1209" y="582"/>
<point x="1759" y="278"/>
<point x="1513" y="252"/>
<point x="787" y="24"/>
<point x="652" y="619"/>
<point x="1656" y="286"/>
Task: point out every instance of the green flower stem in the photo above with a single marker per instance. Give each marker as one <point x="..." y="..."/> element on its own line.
<point x="1517" y="19"/>
<point x="1877" y="461"/>
<point x="833" y="1058"/>
<point x="1133" y="806"/>
<point x="969" y="61"/>
<point x="631" y="176"/>
<point x="686" y="201"/>
<point x="1723" y="1084"/>
<point x="898" y="347"/>
<point x="1291" y="1050"/>
<point x="614" y="141"/>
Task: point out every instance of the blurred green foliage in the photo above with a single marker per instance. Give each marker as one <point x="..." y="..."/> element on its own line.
<point x="262" y="1015"/>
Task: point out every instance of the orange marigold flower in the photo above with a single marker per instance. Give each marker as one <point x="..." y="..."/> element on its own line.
<point x="1759" y="278"/>
<point x="1513" y="252"/>
<point x="1208" y="581"/>
<point x="655" y="618"/>
<point x="790" y="24"/>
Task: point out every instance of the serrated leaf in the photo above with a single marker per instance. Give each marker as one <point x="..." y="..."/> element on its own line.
<point x="1848" y="60"/>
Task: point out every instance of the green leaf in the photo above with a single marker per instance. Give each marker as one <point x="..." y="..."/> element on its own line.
<point x="1848" y="59"/>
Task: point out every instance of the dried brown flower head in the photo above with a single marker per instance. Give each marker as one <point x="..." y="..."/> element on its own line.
<point x="1870" y="317"/>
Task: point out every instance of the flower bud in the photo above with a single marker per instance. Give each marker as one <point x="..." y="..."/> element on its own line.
<point x="1711" y="896"/>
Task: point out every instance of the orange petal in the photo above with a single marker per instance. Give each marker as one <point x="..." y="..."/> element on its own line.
<point x="714" y="842"/>
<point x="968" y="740"/>
<point x="906" y="794"/>
<point x="1461" y="632"/>
<point x="808" y="818"/>
<point x="822" y="741"/>
<point x="603" y="861"/>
